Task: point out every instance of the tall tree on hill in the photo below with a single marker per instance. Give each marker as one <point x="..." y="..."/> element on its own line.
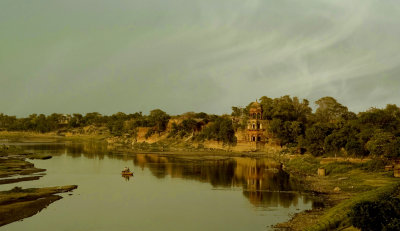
<point x="329" y="110"/>
<point x="159" y="119"/>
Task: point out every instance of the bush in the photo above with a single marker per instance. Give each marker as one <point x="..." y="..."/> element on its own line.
<point x="149" y="133"/>
<point x="338" y="167"/>
<point x="374" y="165"/>
<point x="383" y="214"/>
<point x="305" y="164"/>
<point x="340" y="214"/>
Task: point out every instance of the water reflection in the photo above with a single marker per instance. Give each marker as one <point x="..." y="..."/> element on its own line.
<point x="261" y="180"/>
<point x="126" y="177"/>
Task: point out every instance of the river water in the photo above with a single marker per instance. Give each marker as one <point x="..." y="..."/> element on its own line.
<point x="167" y="192"/>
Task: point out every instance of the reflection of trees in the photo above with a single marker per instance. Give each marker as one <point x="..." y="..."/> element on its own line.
<point x="261" y="179"/>
<point x="90" y="150"/>
<point x="217" y="172"/>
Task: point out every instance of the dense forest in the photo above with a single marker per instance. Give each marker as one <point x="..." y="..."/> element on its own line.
<point x="331" y="129"/>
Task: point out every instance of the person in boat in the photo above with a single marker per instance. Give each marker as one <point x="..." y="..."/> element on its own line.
<point x="126" y="169"/>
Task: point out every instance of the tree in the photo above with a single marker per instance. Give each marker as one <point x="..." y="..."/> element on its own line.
<point x="287" y="131"/>
<point x="329" y="110"/>
<point x="220" y="130"/>
<point x="159" y="119"/>
<point x="76" y="121"/>
<point x="92" y="118"/>
<point x="237" y="111"/>
<point x="315" y="138"/>
<point x="384" y="144"/>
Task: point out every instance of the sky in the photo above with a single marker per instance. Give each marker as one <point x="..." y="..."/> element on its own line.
<point x="80" y="56"/>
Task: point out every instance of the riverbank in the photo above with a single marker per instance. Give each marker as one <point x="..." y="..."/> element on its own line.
<point x="346" y="179"/>
<point x="46" y="137"/>
<point x="19" y="203"/>
<point x="164" y="148"/>
<point x="346" y="183"/>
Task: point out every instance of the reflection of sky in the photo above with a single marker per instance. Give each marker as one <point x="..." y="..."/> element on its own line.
<point x="109" y="56"/>
<point x="106" y="201"/>
<point x="258" y="178"/>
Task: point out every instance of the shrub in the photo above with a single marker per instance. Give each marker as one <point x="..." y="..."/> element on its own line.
<point x="374" y="165"/>
<point x="305" y="164"/>
<point x="383" y="214"/>
<point x="338" y="167"/>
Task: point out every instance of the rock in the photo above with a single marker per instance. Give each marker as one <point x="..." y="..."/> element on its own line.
<point x="321" y="172"/>
<point x="336" y="189"/>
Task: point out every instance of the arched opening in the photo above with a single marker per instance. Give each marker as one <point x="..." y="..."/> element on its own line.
<point x="253" y="138"/>
<point x="254" y="126"/>
<point x="258" y="138"/>
<point x="258" y="125"/>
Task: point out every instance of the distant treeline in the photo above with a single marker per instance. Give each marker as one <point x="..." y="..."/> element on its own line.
<point x="200" y="126"/>
<point x="332" y="128"/>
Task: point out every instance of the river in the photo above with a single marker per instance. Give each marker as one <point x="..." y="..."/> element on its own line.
<point x="167" y="192"/>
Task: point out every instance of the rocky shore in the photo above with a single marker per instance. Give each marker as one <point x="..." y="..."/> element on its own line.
<point x="18" y="203"/>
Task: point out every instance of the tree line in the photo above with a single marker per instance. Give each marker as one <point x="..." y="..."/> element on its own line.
<point x="332" y="128"/>
<point x="200" y="126"/>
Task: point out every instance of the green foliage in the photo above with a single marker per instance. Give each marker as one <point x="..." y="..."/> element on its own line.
<point x="339" y="167"/>
<point x="331" y="129"/>
<point x="187" y="127"/>
<point x="305" y="164"/>
<point x="238" y="111"/>
<point x="338" y="215"/>
<point x="220" y="130"/>
<point x="287" y="131"/>
<point x="315" y="138"/>
<point x="384" y="144"/>
<point x="329" y="110"/>
<point x="374" y="165"/>
<point x="285" y="108"/>
<point x="383" y="214"/>
<point x="160" y="119"/>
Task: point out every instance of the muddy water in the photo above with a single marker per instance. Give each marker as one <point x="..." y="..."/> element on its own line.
<point x="165" y="193"/>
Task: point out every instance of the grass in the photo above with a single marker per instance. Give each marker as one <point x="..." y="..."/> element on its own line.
<point x="305" y="164"/>
<point x="338" y="167"/>
<point x="357" y="181"/>
<point x="338" y="216"/>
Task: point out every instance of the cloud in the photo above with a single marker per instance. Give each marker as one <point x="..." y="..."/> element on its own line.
<point x="197" y="55"/>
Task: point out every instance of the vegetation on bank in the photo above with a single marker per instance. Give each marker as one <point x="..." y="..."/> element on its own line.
<point x="331" y="130"/>
<point x="19" y="203"/>
<point x="372" y="210"/>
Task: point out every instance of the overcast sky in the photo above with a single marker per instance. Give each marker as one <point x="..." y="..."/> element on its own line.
<point x="70" y="56"/>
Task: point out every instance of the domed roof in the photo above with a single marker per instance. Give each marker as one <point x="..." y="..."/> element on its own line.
<point x="255" y="104"/>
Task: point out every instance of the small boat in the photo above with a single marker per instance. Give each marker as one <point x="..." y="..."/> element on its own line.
<point x="127" y="173"/>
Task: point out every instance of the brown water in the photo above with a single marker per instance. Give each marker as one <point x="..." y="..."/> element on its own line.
<point x="165" y="193"/>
